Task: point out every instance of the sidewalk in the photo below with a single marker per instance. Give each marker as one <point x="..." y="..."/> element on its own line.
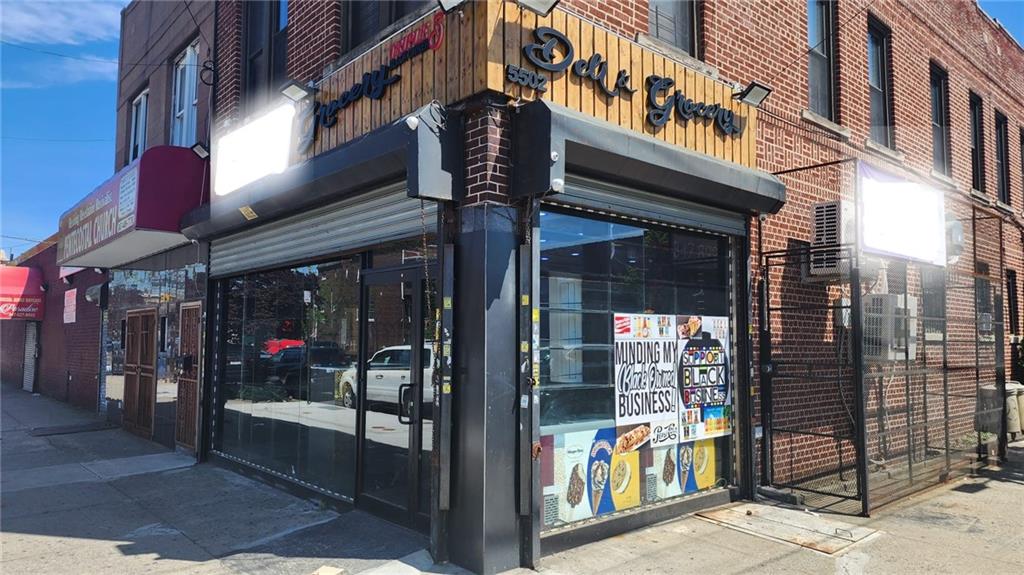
<point x="973" y="525"/>
<point x="109" y="502"/>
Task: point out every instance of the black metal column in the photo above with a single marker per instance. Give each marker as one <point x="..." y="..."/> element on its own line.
<point x="483" y="520"/>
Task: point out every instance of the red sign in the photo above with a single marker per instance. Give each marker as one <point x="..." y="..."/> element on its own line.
<point x="21" y="293"/>
<point x="432" y="31"/>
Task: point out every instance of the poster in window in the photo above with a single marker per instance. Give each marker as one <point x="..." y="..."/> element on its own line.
<point x="705" y="398"/>
<point x="70" y="305"/>
<point x="646" y="394"/>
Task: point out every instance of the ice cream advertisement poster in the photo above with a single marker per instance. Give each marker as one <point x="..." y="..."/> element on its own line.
<point x="646" y="392"/>
<point x="705" y="400"/>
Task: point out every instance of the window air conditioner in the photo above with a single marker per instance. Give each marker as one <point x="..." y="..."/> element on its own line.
<point x="890" y="327"/>
<point x="833" y="228"/>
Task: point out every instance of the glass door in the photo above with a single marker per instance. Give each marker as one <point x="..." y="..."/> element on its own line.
<point x="392" y="397"/>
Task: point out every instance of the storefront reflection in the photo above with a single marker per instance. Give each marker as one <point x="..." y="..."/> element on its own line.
<point x="289" y="336"/>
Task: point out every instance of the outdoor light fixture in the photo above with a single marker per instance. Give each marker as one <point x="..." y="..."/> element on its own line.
<point x="754" y="94"/>
<point x="450" y="5"/>
<point x="539" y="7"/>
<point x="295" y="91"/>
<point x="200" y="150"/>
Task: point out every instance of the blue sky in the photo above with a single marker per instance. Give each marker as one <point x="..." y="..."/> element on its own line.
<point x="57" y="114"/>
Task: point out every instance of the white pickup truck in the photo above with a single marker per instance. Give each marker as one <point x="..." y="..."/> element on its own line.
<point x="386" y="372"/>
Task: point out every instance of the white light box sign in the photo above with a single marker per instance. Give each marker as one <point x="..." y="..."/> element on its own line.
<point x="257" y="149"/>
<point x="901" y="218"/>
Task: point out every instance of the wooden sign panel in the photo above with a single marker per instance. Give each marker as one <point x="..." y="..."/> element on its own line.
<point x="494" y="45"/>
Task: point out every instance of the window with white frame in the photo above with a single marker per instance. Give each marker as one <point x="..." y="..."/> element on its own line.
<point x="140" y="111"/>
<point x="185" y="97"/>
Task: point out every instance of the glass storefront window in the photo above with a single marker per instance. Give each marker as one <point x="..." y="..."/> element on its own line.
<point x="636" y="384"/>
<point x="290" y="343"/>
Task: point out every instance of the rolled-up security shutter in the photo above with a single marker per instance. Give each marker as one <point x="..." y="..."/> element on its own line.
<point x="612" y="199"/>
<point x="378" y="216"/>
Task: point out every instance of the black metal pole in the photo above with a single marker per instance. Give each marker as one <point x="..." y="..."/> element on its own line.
<point x="858" y="389"/>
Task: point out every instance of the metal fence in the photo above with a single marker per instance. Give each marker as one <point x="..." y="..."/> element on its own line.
<point x="880" y="376"/>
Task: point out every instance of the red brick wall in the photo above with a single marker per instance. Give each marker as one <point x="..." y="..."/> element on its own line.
<point x="314" y="37"/>
<point x="487" y="154"/>
<point x="69" y="354"/>
<point x="314" y="41"/>
<point x="228" y="90"/>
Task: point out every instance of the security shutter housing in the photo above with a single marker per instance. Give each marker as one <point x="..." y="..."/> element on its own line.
<point x="379" y="216"/>
<point x="596" y="196"/>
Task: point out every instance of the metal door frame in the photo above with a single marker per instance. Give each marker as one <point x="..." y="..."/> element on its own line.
<point x="410" y="515"/>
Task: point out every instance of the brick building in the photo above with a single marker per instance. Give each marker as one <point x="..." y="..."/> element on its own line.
<point x="68" y="335"/>
<point x="590" y="205"/>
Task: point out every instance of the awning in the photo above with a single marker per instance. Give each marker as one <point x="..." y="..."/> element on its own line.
<point x="553" y="141"/>
<point x="21" y="293"/>
<point x="135" y="213"/>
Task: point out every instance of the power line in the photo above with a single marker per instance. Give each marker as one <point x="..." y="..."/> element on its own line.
<point x="25" y="239"/>
<point x="196" y="22"/>
<point x="829" y="37"/>
<point x="85" y="59"/>
<point x="57" y="140"/>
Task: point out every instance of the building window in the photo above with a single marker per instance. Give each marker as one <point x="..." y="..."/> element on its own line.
<point x="266" y="50"/>
<point x="185" y="98"/>
<point x="620" y="301"/>
<point x="940" y="120"/>
<point x="820" y="43"/>
<point x="977" y="143"/>
<point x="1003" y="158"/>
<point x="675" y="22"/>
<point x="140" y="109"/>
<point x="1012" y="302"/>
<point x="878" y="82"/>
<point x="366" y="18"/>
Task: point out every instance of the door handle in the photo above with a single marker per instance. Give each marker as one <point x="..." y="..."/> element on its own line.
<point x="378" y="377"/>
<point x="404" y="406"/>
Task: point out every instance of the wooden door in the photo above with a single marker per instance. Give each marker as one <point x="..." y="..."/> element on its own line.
<point x="187" y="413"/>
<point x="140" y="372"/>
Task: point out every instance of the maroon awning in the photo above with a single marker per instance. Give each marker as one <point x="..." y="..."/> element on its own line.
<point x="21" y="293"/>
<point x="136" y="213"/>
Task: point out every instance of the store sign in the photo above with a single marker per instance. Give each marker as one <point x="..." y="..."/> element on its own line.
<point x="21" y="293"/>
<point x="70" y="305"/>
<point x="544" y="54"/>
<point x="374" y="84"/>
<point x="107" y="213"/>
<point x="664" y="102"/>
<point x="885" y="229"/>
<point x="554" y="52"/>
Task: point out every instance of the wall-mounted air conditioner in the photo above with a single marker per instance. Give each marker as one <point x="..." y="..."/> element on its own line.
<point x="890" y="327"/>
<point x="833" y="228"/>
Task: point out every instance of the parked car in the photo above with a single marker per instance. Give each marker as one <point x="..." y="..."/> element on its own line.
<point x="387" y="370"/>
<point x="306" y="373"/>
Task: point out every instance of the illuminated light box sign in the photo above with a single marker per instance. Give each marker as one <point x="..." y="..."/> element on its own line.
<point x="258" y="149"/>
<point x="901" y="218"/>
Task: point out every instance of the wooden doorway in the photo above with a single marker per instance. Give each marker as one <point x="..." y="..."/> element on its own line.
<point x="187" y="414"/>
<point x="140" y="372"/>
